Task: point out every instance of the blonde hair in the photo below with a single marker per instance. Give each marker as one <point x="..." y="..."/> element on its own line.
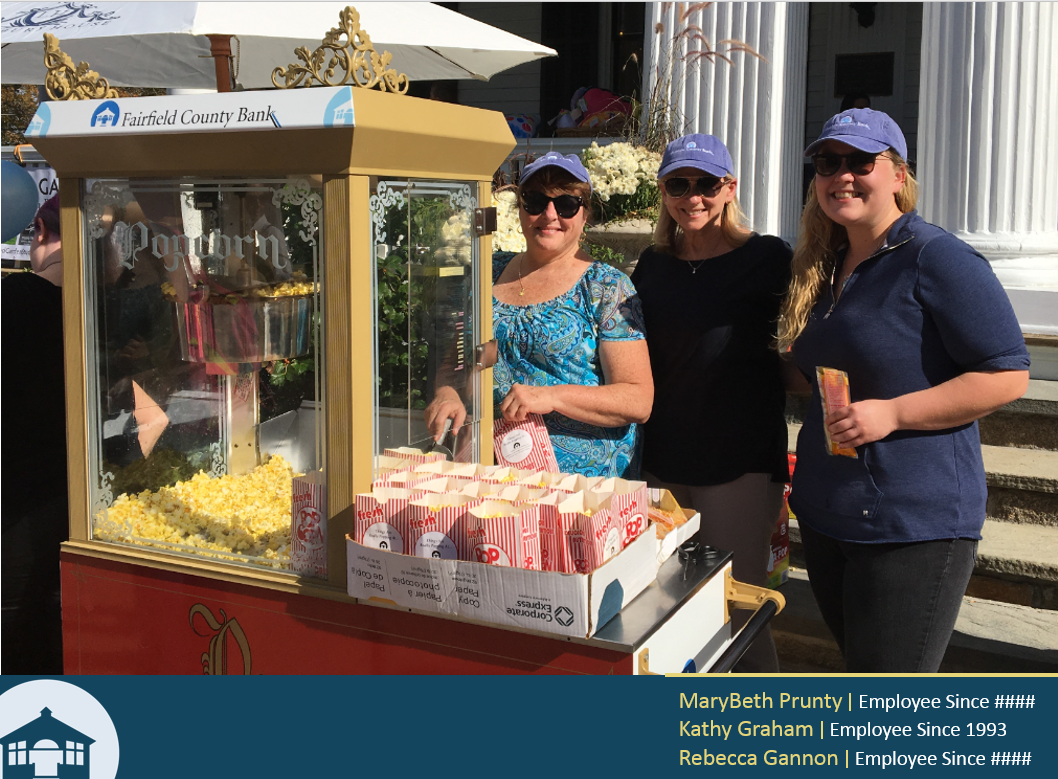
<point x="815" y="256"/>
<point x="733" y="225"/>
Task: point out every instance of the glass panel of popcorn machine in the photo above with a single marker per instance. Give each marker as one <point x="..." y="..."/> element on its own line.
<point x="205" y="368"/>
<point x="426" y="289"/>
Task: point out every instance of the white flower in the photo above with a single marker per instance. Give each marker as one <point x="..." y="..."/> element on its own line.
<point x="508" y="236"/>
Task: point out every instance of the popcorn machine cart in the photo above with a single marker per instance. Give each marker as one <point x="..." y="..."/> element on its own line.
<point x="261" y="291"/>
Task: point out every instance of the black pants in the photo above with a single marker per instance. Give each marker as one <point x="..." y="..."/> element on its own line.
<point x="31" y="635"/>
<point x="891" y="607"/>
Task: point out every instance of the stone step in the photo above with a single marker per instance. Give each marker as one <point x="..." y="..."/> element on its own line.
<point x="1030" y="422"/>
<point x="1016" y="564"/>
<point x="989" y="637"/>
<point x="1022" y="483"/>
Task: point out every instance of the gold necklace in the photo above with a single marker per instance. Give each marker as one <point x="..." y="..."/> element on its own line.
<point x="694" y="267"/>
<point x="521" y="286"/>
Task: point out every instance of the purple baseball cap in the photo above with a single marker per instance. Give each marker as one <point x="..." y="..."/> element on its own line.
<point x="863" y="129"/>
<point x="701" y="152"/>
<point x="569" y="162"/>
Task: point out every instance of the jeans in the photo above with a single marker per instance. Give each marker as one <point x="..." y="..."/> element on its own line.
<point x="891" y="607"/>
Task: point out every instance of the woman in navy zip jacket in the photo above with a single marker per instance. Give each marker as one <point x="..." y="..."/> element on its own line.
<point x="927" y="336"/>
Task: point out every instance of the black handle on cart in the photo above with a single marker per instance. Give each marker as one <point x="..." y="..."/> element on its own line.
<point x="766" y="603"/>
<point x="744" y="639"/>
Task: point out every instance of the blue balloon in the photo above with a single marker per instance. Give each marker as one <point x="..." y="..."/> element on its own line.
<point x="19" y="200"/>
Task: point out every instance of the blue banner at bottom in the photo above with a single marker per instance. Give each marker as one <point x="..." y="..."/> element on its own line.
<point x="294" y="726"/>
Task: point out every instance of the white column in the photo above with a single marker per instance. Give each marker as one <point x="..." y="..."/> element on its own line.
<point x="756" y="107"/>
<point x="988" y="133"/>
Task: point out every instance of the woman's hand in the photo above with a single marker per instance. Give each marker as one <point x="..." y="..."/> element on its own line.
<point x="523" y="400"/>
<point x="862" y="423"/>
<point x="446" y="405"/>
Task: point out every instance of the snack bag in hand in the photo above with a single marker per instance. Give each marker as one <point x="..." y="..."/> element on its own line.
<point x="834" y="394"/>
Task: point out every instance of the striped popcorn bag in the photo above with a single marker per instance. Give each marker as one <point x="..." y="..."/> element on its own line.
<point x="497" y="532"/>
<point x="433" y="519"/>
<point x="629" y="504"/>
<point x="414" y="455"/>
<point x="443" y="484"/>
<point x="594" y="533"/>
<point x="308" y="542"/>
<point x="382" y="520"/>
<point x="504" y="474"/>
<point x="524" y="444"/>
<point x="553" y="549"/>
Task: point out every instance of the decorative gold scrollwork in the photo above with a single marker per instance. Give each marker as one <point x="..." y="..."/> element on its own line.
<point x="215" y="661"/>
<point x="65" y="81"/>
<point x="366" y="67"/>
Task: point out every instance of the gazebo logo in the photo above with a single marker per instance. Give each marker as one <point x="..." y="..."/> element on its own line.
<point x="46" y="747"/>
<point x="339" y="111"/>
<point x="55" y="730"/>
<point x="106" y="115"/>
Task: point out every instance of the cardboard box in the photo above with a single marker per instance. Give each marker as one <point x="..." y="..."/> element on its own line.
<point x="562" y="604"/>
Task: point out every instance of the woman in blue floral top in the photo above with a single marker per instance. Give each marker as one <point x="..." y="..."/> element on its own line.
<point x="569" y="333"/>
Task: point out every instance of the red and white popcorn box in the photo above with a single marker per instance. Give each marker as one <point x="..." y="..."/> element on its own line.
<point x="575" y="482"/>
<point x="308" y="542"/>
<point x="630" y="504"/>
<point x="382" y="519"/>
<point x="552" y="546"/>
<point x="442" y="484"/>
<point x="414" y="455"/>
<point x="406" y="480"/>
<point x="497" y="532"/>
<point x="481" y="489"/>
<point x="467" y="470"/>
<point x="542" y="479"/>
<point x="520" y="493"/>
<point x="524" y="444"/>
<point x="503" y="474"/>
<point x="435" y="468"/>
<point x="433" y="519"/>
<point x="590" y="531"/>
<point x="385" y="465"/>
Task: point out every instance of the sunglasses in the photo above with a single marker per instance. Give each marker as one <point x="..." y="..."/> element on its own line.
<point x="706" y="186"/>
<point x="566" y="206"/>
<point x="859" y="163"/>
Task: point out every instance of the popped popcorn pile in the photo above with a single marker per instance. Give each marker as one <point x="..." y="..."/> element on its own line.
<point x="457" y="238"/>
<point x="508" y="236"/>
<point x="296" y="286"/>
<point x="620" y="168"/>
<point x="247" y="515"/>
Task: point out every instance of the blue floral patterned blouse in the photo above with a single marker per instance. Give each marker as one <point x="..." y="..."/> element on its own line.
<point x="556" y="342"/>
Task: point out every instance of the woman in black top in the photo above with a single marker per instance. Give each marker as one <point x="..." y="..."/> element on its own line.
<point x="34" y="509"/>
<point x="711" y="290"/>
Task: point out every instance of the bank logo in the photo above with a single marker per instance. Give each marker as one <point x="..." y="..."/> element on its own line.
<point x="106" y="115"/>
<point x="845" y="120"/>
<point x="692" y="145"/>
<point x="563" y="616"/>
<point x="38" y="127"/>
<point x="60" y="16"/>
<point x="55" y="729"/>
<point x="339" y="112"/>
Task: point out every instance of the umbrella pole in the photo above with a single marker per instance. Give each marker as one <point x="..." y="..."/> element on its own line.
<point x="220" y="50"/>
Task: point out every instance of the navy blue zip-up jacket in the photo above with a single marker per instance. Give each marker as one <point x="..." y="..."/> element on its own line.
<point x="922" y="310"/>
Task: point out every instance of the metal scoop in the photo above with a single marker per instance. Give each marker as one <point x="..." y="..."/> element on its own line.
<point x="436" y="445"/>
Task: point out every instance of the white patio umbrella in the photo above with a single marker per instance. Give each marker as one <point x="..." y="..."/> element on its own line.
<point x="165" y="44"/>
